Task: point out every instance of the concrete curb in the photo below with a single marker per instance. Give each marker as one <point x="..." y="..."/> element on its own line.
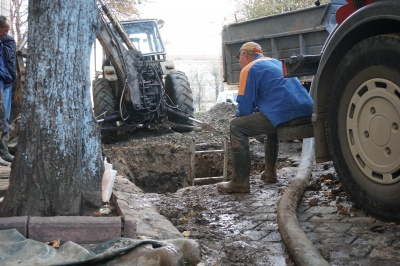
<point x="300" y="247"/>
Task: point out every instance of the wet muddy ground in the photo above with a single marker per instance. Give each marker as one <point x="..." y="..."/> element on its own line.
<point x="237" y="229"/>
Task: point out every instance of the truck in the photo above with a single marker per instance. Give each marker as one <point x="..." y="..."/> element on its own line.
<point x="303" y="31"/>
<point x="356" y="90"/>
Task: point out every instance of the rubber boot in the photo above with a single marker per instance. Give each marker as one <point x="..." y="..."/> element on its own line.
<point x="240" y="182"/>
<point x="4" y="153"/>
<point x="271" y="145"/>
<point x="3" y="163"/>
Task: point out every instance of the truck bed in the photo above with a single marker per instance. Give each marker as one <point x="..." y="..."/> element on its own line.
<point x="302" y="31"/>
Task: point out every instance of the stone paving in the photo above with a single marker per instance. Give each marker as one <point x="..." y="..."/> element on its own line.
<point x="350" y="240"/>
<point x="353" y="238"/>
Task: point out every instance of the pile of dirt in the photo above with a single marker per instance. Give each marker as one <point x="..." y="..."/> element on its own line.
<point x="219" y="117"/>
<point x="160" y="160"/>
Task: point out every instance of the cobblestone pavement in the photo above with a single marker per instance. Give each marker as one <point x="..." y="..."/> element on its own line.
<point x="351" y="237"/>
<point x="241" y="229"/>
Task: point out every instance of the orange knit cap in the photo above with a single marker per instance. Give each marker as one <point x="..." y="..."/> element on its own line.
<point x="250" y="46"/>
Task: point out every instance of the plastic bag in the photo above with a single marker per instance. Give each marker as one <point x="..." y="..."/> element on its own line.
<point x="107" y="183"/>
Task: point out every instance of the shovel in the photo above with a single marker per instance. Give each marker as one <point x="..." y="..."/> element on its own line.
<point x="181" y="114"/>
<point x="203" y="126"/>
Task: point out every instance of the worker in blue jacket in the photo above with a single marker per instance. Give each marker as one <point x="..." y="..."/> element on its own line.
<point x="10" y="63"/>
<point x="4" y="78"/>
<point x="266" y="100"/>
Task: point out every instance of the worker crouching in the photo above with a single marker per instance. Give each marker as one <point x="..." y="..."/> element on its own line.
<point x="265" y="99"/>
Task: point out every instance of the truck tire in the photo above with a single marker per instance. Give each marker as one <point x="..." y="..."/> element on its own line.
<point x="177" y="88"/>
<point x="104" y="102"/>
<point x="364" y="125"/>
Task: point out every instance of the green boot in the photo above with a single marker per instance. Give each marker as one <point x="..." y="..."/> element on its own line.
<point x="4" y="153"/>
<point x="240" y="182"/>
<point x="271" y="145"/>
<point x="3" y="163"/>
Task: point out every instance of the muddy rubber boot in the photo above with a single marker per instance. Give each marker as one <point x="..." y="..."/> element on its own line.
<point x="3" y="163"/>
<point x="271" y="145"/>
<point x="4" y="153"/>
<point x="240" y="182"/>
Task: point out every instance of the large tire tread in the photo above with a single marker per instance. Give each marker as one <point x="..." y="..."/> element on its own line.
<point x="103" y="98"/>
<point x="177" y="87"/>
<point x="104" y="102"/>
<point x="381" y="52"/>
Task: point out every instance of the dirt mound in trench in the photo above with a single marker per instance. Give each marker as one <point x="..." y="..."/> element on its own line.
<point x="160" y="160"/>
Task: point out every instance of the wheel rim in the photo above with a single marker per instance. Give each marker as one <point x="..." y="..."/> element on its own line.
<point x="373" y="134"/>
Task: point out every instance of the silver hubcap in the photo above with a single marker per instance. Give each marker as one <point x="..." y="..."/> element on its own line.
<point x="373" y="121"/>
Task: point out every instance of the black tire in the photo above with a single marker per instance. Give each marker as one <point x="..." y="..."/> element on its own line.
<point x="103" y="97"/>
<point x="177" y="88"/>
<point x="364" y="125"/>
<point x="104" y="102"/>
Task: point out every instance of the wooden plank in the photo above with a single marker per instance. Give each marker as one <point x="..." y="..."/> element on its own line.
<point x="192" y="163"/>
<point x="295" y="132"/>
<point x="209" y="151"/>
<point x="225" y="170"/>
<point x="208" y="180"/>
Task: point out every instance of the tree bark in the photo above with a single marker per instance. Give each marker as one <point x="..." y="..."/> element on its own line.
<point x="57" y="169"/>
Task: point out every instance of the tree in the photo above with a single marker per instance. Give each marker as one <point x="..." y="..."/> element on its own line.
<point x="198" y="84"/>
<point x="18" y="18"/>
<point x="58" y="167"/>
<point x="251" y="9"/>
<point x="125" y="9"/>
<point x="217" y="78"/>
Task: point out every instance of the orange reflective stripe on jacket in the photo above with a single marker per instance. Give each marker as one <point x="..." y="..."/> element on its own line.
<point x="244" y="73"/>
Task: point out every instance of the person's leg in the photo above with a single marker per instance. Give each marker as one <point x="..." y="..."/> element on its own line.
<point x="271" y="148"/>
<point x="7" y="103"/>
<point x="3" y="123"/>
<point x="4" y="153"/>
<point x="252" y="125"/>
<point x="241" y="128"/>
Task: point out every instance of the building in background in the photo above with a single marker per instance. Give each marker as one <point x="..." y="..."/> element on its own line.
<point x="192" y="36"/>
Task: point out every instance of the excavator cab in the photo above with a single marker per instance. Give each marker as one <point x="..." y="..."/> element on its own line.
<point x="144" y="34"/>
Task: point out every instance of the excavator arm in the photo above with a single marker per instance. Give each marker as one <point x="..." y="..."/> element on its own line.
<point x="125" y="61"/>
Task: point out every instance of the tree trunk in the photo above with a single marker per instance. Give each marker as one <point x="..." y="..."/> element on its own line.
<point x="58" y="166"/>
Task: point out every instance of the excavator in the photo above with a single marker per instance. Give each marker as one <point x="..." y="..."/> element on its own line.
<point x="138" y="86"/>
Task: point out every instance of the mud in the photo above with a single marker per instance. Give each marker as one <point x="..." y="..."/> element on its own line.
<point x="160" y="160"/>
<point x="163" y="163"/>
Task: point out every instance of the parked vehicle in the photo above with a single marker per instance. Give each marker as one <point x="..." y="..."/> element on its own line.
<point x="302" y="31"/>
<point x="228" y="96"/>
<point x="356" y="91"/>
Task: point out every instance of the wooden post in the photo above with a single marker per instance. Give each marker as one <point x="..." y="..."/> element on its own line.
<point x="225" y="170"/>
<point x="192" y="162"/>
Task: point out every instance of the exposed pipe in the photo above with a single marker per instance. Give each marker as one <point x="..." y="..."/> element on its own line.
<point x="300" y="247"/>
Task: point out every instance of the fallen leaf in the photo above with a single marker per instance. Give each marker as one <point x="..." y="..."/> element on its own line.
<point x="54" y="243"/>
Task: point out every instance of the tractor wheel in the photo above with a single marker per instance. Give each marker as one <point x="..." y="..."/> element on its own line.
<point x="104" y="102"/>
<point x="364" y="125"/>
<point x="177" y="88"/>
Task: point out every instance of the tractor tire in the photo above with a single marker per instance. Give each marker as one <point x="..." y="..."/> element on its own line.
<point x="104" y="102"/>
<point x="177" y="88"/>
<point x="103" y="97"/>
<point x="364" y="125"/>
